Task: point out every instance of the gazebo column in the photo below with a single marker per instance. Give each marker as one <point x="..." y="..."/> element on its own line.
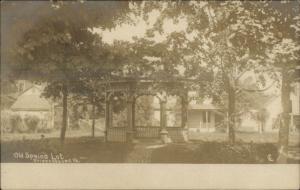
<point x="206" y="119"/>
<point x="133" y="118"/>
<point x="130" y="118"/>
<point x="163" y="121"/>
<point x="110" y="115"/>
<point x="107" y="117"/>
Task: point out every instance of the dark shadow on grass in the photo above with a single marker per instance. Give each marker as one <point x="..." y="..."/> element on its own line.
<point x="83" y="149"/>
<point x="215" y="153"/>
<point x="95" y="150"/>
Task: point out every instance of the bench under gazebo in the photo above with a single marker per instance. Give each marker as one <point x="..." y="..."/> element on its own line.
<point x="128" y="91"/>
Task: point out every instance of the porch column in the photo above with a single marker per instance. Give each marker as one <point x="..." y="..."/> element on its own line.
<point x="130" y="115"/>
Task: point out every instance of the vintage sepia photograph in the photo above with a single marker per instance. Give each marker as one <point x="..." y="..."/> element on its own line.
<point x="150" y="82"/>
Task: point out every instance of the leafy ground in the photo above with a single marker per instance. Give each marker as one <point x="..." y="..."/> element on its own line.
<point x="205" y="148"/>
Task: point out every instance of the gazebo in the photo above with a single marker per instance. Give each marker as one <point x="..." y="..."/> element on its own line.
<point x="130" y="90"/>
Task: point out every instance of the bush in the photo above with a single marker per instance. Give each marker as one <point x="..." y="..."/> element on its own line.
<point x="6" y="126"/>
<point x="265" y="153"/>
<point x="43" y="126"/>
<point x="17" y="123"/>
<point x="31" y="122"/>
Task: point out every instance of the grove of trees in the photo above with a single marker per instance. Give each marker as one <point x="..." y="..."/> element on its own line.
<point x="217" y="46"/>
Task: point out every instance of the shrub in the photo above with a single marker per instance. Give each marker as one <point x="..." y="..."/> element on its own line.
<point x="43" y="126"/>
<point x="265" y="153"/>
<point x="31" y="122"/>
<point x="6" y="126"/>
<point x="17" y="123"/>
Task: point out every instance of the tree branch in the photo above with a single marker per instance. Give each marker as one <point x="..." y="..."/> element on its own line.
<point x="256" y="90"/>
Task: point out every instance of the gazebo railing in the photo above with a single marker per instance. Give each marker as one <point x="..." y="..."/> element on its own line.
<point x="176" y="134"/>
<point x="116" y="134"/>
<point x="147" y="131"/>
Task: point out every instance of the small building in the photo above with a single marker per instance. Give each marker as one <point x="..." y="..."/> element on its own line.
<point x="203" y="117"/>
<point x="30" y="102"/>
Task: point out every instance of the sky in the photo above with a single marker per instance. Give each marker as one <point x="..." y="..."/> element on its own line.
<point x="127" y="31"/>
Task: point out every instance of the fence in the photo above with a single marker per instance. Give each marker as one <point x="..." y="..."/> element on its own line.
<point x="116" y="134"/>
<point x="176" y="134"/>
<point x="147" y="132"/>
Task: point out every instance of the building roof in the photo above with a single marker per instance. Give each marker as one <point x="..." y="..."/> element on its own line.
<point x="31" y="102"/>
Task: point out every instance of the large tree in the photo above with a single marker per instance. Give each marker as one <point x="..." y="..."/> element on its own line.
<point x="283" y="58"/>
<point x="221" y="43"/>
<point x="60" y="48"/>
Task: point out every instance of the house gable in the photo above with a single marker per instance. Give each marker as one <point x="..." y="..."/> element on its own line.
<point x="31" y="100"/>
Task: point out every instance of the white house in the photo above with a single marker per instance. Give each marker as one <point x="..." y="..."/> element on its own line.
<point x="30" y="102"/>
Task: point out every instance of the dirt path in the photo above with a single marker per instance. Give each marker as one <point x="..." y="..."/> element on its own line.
<point x="141" y="153"/>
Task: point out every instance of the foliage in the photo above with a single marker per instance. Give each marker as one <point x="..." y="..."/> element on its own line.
<point x="31" y="122"/>
<point x="19" y="18"/>
<point x="6" y="126"/>
<point x="221" y="43"/>
<point x="144" y="112"/>
<point x="44" y="126"/>
<point x="60" y="48"/>
<point x="17" y="123"/>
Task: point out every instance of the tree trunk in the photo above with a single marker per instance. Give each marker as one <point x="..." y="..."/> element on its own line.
<point x="231" y="112"/>
<point x="285" y="119"/>
<point x="93" y="121"/>
<point x="65" y="113"/>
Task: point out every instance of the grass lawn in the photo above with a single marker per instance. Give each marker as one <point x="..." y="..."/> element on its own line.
<point x="53" y="134"/>
<point x="270" y="137"/>
<point x="205" y="148"/>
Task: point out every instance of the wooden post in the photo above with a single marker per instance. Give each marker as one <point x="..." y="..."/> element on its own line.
<point x="107" y="117"/>
<point x="212" y="119"/>
<point x="163" y="121"/>
<point x="133" y="118"/>
<point x="206" y="120"/>
<point x="110" y="114"/>
<point x="130" y="117"/>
